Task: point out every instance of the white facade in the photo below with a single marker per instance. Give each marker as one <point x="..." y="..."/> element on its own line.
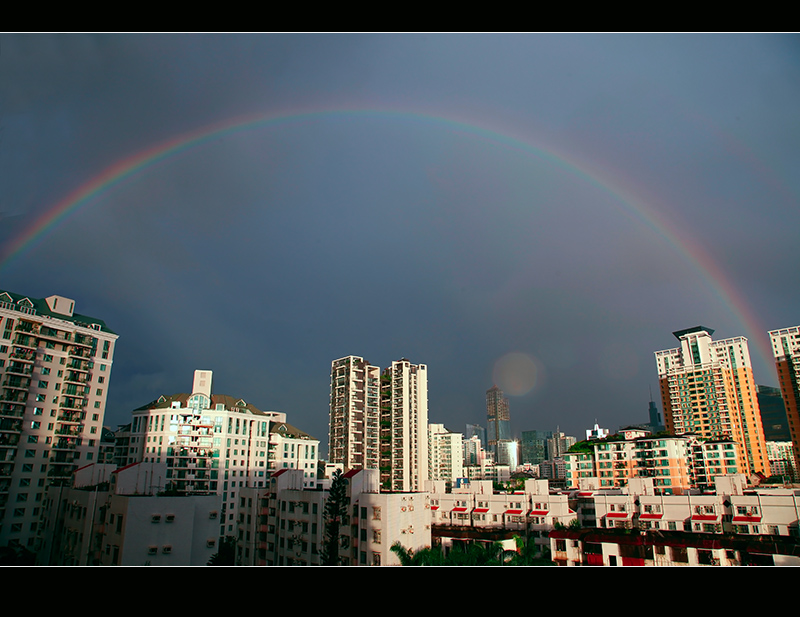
<point x="405" y="408"/>
<point x="214" y="444"/>
<point x="285" y="524"/>
<point x="123" y="522"/>
<point x="291" y="448"/>
<point x="54" y="371"/>
<point x="353" y="438"/>
<point x="446" y="454"/>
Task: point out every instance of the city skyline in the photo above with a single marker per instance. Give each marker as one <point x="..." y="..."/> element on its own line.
<point x="533" y="211"/>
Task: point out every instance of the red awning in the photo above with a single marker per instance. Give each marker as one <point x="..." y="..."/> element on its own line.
<point x="650" y="515"/>
<point x="434" y="507"/>
<point x="458" y="510"/>
<point x="617" y="515"/>
<point x="538" y="512"/>
<point x="513" y="511"/>
<point x="746" y="519"/>
<point x="481" y="510"/>
<point x="705" y="517"/>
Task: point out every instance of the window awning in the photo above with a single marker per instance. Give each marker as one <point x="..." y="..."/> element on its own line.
<point x="651" y="515"/>
<point x="709" y="518"/>
<point x="513" y="511"/>
<point x="481" y="510"/>
<point x="746" y="519"/>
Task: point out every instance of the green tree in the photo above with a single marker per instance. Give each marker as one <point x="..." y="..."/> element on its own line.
<point x="226" y="556"/>
<point x="335" y="511"/>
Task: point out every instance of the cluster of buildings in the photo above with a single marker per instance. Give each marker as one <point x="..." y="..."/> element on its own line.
<point x="193" y="469"/>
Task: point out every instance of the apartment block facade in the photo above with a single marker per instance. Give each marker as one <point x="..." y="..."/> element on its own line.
<point x="55" y="366"/>
<point x="218" y="444"/>
<point x="707" y="388"/>
<point x="284" y="524"/>
<point x="379" y="420"/>
<point x="354" y="433"/>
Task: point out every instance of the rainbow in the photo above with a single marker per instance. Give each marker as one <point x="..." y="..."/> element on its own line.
<point x="124" y="169"/>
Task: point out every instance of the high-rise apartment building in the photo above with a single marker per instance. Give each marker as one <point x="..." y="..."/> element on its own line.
<point x="55" y="366"/>
<point x="786" y="349"/>
<point x="707" y="388"/>
<point x="499" y="420"/>
<point x="380" y="420"/>
<point x="404" y="426"/>
<point x="354" y="433"/>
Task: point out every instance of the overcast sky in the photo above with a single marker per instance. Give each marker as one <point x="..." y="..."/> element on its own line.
<point x="536" y="211"/>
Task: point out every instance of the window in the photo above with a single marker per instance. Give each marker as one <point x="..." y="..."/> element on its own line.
<point x="45" y="370"/>
<point x="43" y="384"/>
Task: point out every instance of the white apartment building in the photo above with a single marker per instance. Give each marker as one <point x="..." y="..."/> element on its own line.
<point x="380" y="421"/>
<point x="55" y="366"/>
<point x="404" y="417"/>
<point x="217" y="444"/>
<point x="291" y="448"/>
<point x="446" y="460"/>
<point x="284" y="524"/>
<point x="354" y="431"/>
<point x="114" y="517"/>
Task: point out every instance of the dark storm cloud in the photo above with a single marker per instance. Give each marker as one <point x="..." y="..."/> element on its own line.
<point x="266" y="253"/>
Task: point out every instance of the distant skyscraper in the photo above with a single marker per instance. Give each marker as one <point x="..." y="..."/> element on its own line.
<point x="707" y="389"/>
<point x="54" y="366"/>
<point x="476" y="430"/>
<point x="655" y="424"/>
<point x="773" y="414"/>
<point x="534" y="446"/>
<point x="786" y="349"/>
<point x="499" y="421"/>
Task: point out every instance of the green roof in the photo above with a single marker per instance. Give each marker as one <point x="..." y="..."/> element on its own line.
<point x="41" y="308"/>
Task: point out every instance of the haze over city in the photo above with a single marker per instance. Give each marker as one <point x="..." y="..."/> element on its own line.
<point x="536" y="211"/>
